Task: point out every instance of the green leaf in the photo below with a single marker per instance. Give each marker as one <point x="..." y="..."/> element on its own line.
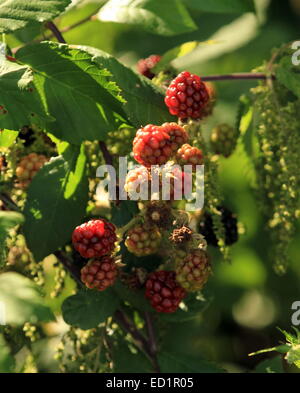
<point x="144" y="101"/>
<point x="80" y="95"/>
<point x="88" y="308"/>
<point x="270" y="366"/>
<point x="56" y="202"/>
<point x="123" y="213"/>
<point x="16" y="14"/>
<point x="23" y="301"/>
<point x="167" y="17"/>
<point x="7" y="137"/>
<point x="194" y="306"/>
<point x="125" y="361"/>
<point x="222" y="6"/>
<point x="289" y="75"/>
<point x="7" y="362"/>
<point x="19" y="101"/>
<point x="177" y="52"/>
<point x="180" y="363"/>
<point x="136" y="298"/>
<point x="8" y="220"/>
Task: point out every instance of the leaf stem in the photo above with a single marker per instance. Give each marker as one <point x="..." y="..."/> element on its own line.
<point x="57" y="34"/>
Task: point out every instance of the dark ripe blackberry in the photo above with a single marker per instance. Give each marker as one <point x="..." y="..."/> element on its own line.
<point x="26" y="134"/>
<point x="229" y="221"/>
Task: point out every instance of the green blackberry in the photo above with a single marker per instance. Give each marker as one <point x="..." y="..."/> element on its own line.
<point x="229" y="221"/>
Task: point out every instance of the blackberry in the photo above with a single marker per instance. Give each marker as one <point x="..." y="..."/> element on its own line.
<point x="229" y="221"/>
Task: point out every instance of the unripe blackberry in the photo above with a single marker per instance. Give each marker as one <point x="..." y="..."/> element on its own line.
<point x="144" y="66"/>
<point x="189" y="155"/>
<point x="193" y="271"/>
<point x="154" y="145"/>
<point x="223" y="139"/>
<point x="229" y="222"/>
<point x="163" y="291"/>
<point x="28" y="167"/>
<point x="187" y="96"/>
<point x="143" y="240"/>
<point x="99" y="273"/>
<point x="94" y="238"/>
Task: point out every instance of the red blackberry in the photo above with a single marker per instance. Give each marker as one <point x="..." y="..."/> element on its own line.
<point x="144" y="66"/>
<point x="99" y="273"/>
<point x="154" y="145"/>
<point x="187" y="96"/>
<point x="164" y="293"/>
<point x="94" y="238"/>
<point x="193" y="271"/>
<point x="229" y="221"/>
<point x="189" y="155"/>
<point x="178" y="135"/>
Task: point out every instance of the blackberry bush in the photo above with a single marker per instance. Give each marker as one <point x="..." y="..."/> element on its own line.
<point x="83" y="131"/>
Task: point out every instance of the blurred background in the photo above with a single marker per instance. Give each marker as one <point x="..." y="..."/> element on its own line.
<point x="249" y="300"/>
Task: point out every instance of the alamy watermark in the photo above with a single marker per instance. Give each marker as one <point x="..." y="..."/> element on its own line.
<point x="296" y="315"/>
<point x="296" y="55"/>
<point x="164" y="182"/>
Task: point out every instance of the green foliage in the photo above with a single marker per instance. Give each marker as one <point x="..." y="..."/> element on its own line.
<point x="17" y="14"/>
<point x="270" y="366"/>
<point x="222" y="6"/>
<point x="180" y="363"/>
<point x="151" y="15"/>
<point x="6" y="360"/>
<point x="127" y="361"/>
<point x="88" y="308"/>
<point x="74" y="91"/>
<point x="123" y="213"/>
<point x="144" y="101"/>
<point x="7" y="137"/>
<point x="8" y="220"/>
<point x="23" y="300"/>
<point x="277" y="129"/>
<point x="56" y="202"/>
<point x="288" y="74"/>
<point x="291" y="349"/>
<point x="19" y="99"/>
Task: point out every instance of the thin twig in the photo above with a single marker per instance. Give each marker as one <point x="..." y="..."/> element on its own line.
<point x="69" y="266"/>
<point x="57" y="34"/>
<point x="152" y="340"/>
<point x="108" y="158"/>
<point x="8" y="203"/>
<point x="237" y="76"/>
<point x="125" y="323"/>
